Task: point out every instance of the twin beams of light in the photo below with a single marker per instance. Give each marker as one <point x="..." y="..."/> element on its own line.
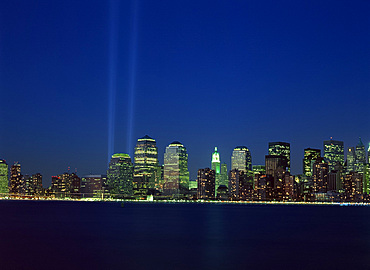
<point x="112" y="76"/>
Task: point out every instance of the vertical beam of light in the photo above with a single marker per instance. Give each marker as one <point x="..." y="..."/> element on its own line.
<point x="112" y="76"/>
<point x="132" y="76"/>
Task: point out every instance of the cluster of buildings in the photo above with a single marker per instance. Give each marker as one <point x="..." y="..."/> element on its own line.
<point x="326" y="176"/>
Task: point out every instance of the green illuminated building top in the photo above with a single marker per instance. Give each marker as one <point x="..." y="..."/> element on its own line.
<point x="120" y="176"/>
<point x="216" y="166"/>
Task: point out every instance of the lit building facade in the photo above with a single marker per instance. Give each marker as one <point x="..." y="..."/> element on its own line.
<point x="4" y="177"/>
<point x="146" y="165"/>
<point x="241" y="159"/>
<point x="310" y="156"/>
<point x="351" y="159"/>
<point x="15" y="181"/>
<point x="224" y="177"/>
<point x="280" y="149"/>
<point x="93" y="186"/>
<point x="360" y="160"/>
<point x="353" y="187"/>
<point x="206" y="184"/>
<point x="176" y="173"/>
<point x="334" y="153"/>
<point x="275" y="168"/>
<point x="120" y="176"/>
<point x="320" y="176"/>
<point x="66" y="185"/>
<point x="216" y="166"/>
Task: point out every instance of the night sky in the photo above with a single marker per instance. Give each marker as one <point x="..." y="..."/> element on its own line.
<point x="205" y="73"/>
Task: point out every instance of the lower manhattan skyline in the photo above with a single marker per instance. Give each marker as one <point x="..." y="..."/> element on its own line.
<point x="75" y="90"/>
<point x="187" y="134"/>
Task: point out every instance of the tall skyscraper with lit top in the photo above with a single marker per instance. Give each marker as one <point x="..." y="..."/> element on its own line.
<point x="280" y="149"/>
<point x="216" y="166"/>
<point x="4" y="176"/>
<point x="241" y="159"/>
<point x="334" y="153"/>
<point x="146" y="164"/>
<point x="176" y="173"/>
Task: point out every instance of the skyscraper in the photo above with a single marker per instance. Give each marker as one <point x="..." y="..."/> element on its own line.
<point x="280" y="149"/>
<point x="15" y="181"/>
<point x="351" y="159"/>
<point x="320" y="176"/>
<point x="224" y="175"/>
<point x="275" y="168"/>
<point x="241" y="159"/>
<point x="120" y="176"/>
<point x="360" y="156"/>
<point x="146" y="165"/>
<point x="310" y="156"/>
<point x="4" y="177"/>
<point x="176" y="173"/>
<point x="93" y="185"/>
<point x="206" y="184"/>
<point x="216" y="166"/>
<point x="66" y="185"/>
<point x="334" y="153"/>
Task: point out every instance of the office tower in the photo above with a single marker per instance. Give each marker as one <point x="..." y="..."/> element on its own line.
<point x="146" y="165"/>
<point x="120" y="176"/>
<point x="37" y="184"/>
<point x="288" y="186"/>
<point x="310" y="156"/>
<point x="92" y="186"/>
<point x="351" y="159"/>
<point x="4" y="177"/>
<point x="15" y="181"/>
<point x="320" y="176"/>
<point x="216" y="166"/>
<point x="334" y="153"/>
<point x="66" y="185"/>
<point x="353" y="187"/>
<point x="206" y="184"/>
<point x="176" y="173"/>
<point x="224" y="175"/>
<point x="280" y="149"/>
<point x="260" y="186"/>
<point x="276" y="167"/>
<point x="241" y="159"/>
<point x="360" y="156"/>
<point x="28" y="187"/>
<point x="31" y="185"/>
<point x="366" y="178"/>
<point x="235" y="177"/>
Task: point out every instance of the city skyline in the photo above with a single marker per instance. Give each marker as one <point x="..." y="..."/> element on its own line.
<point x="205" y="74"/>
<point x="214" y="156"/>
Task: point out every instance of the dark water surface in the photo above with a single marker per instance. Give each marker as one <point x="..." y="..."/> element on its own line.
<point x="96" y="235"/>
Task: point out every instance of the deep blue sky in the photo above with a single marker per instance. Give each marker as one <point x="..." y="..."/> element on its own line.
<point x="206" y="73"/>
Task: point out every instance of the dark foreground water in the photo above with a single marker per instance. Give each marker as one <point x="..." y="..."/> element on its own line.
<point x="95" y="235"/>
